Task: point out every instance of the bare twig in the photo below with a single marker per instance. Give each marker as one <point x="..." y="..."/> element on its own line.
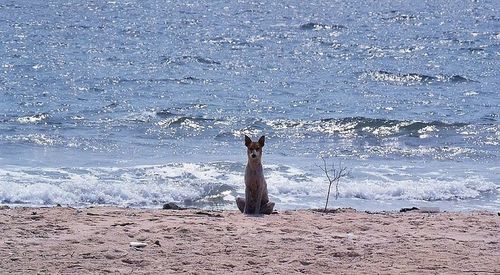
<point x="336" y="174"/>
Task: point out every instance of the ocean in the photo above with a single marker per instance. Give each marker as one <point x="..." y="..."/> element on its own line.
<point x="138" y="103"/>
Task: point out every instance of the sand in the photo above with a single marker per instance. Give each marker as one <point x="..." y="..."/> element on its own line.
<point x="63" y="240"/>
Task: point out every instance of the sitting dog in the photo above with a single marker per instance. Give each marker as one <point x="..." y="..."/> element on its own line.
<point x="256" y="200"/>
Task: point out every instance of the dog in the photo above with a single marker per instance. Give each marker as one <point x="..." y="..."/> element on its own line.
<point x="256" y="199"/>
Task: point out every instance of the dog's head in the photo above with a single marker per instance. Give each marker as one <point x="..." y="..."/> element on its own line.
<point x="254" y="149"/>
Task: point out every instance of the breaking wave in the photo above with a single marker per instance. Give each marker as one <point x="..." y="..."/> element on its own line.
<point x="361" y="126"/>
<point x="217" y="184"/>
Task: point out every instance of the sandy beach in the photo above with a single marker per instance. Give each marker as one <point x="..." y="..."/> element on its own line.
<point x="64" y="240"/>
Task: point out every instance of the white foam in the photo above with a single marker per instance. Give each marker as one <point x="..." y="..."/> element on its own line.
<point x="32" y="119"/>
<point x="221" y="182"/>
<point x="88" y="186"/>
<point x="382" y="184"/>
<point x="188" y="123"/>
<point x="425" y="189"/>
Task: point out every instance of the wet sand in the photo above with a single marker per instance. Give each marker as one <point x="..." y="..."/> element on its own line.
<point x="97" y="240"/>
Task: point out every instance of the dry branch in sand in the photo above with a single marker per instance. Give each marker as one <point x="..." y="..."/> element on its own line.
<point x="333" y="175"/>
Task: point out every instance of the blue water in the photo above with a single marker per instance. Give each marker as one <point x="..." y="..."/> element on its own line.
<point x="138" y="103"/>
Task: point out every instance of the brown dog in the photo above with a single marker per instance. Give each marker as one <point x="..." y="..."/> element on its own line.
<point x="256" y="199"/>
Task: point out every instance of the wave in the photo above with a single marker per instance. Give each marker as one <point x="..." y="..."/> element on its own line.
<point x="178" y="118"/>
<point x="363" y="137"/>
<point x="167" y="60"/>
<point x="38" y="139"/>
<point x="414" y="78"/>
<point x="320" y="26"/>
<point x="33" y="118"/>
<point x="398" y="16"/>
<point x="135" y="186"/>
<point x="360" y="126"/>
<point x="56" y="140"/>
<point x="181" y="80"/>
<point x="234" y="43"/>
<point x="217" y="184"/>
<point x="425" y="189"/>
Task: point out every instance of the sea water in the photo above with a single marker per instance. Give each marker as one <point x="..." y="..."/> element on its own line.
<point x="138" y="103"/>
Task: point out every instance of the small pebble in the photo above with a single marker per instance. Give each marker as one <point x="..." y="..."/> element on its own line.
<point x="138" y="244"/>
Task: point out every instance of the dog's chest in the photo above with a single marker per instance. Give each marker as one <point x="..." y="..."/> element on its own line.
<point x="254" y="178"/>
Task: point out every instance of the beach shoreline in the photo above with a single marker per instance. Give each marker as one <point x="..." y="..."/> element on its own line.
<point x="65" y="240"/>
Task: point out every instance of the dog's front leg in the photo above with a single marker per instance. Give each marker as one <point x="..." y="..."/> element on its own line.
<point x="248" y="202"/>
<point x="259" y="201"/>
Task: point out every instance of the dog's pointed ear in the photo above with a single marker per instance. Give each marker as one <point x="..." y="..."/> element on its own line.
<point x="262" y="139"/>
<point x="248" y="141"/>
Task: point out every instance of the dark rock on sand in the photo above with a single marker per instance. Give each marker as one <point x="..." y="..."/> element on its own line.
<point x="408" y="209"/>
<point x="172" y="206"/>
